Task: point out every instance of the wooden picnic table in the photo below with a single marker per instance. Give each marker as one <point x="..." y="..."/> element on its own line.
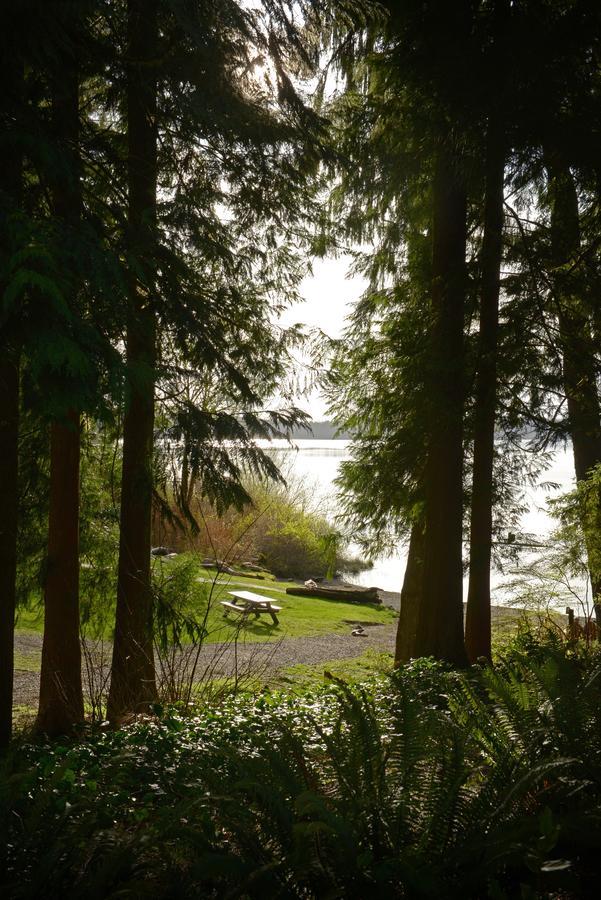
<point x="251" y="604"/>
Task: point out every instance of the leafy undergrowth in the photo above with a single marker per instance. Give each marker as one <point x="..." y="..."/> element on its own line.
<point x="424" y="783"/>
<point x="301" y="678"/>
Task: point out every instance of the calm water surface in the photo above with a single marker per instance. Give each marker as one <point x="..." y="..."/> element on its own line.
<point x="315" y="464"/>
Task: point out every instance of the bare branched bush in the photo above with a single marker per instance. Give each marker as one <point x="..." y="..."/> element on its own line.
<point x="96" y="660"/>
<point x="190" y="668"/>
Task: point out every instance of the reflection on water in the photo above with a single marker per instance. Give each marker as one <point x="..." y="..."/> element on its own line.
<point x="315" y="463"/>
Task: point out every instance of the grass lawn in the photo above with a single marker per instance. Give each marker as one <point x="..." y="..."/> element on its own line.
<point x="356" y="669"/>
<point x="28" y="662"/>
<point x="30" y="620"/>
<point x="300" y="616"/>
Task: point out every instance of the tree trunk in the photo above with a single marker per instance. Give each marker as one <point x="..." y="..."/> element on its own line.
<point x="577" y="345"/>
<point x="133" y="686"/>
<point x="477" y="624"/>
<point x="10" y="196"/>
<point x="411" y="595"/>
<point x="61" y="695"/>
<point x="9" y="499"/>
<point x="440" y="626"/>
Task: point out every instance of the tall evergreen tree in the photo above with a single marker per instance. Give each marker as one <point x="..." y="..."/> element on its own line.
<point x="579" y="366"/>
<point x="557" y="134"/>
<point x="478" y="613"/>
<point x="61" y="694"/>
<point x="411" y="598"/>
<point x="132" y="673"/>
<point x="11" y="67"/>
<point x="496" y="90"/>
<point x="440" y="623"/>
<point x="209" y="262"/>
<point x="407" y="172"/>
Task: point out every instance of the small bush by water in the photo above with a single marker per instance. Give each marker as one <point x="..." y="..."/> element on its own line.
<point x="286" y="527"/>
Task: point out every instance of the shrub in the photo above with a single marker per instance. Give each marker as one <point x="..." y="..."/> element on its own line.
<point x="284" y="528"/>
<point x="296" y="544"/>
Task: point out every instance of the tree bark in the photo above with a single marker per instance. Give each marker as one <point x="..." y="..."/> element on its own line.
<point x="9" y="504"/>
<point x="411" y="595"/>
<point x="478" y="621"/>
<point x="133" y="686"/>
<point x="11" y="68"/>
<point x="61" y="705"/>
<point x="61" y="695"/>
<point x="440" y="625"/>
<point x="577" y="346"/>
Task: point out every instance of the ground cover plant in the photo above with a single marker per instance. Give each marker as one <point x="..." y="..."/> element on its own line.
<point x="424" y="783"/>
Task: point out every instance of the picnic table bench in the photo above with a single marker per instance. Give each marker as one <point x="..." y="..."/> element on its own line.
<point x="251" y="604"/>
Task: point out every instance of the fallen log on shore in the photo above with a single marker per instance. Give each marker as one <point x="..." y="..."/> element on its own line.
<point x="347" y="593"/>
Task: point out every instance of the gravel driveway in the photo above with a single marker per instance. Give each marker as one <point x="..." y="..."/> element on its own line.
<point x="224" y="659"/>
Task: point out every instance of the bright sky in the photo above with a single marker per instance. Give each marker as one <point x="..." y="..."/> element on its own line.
<point x="328" y="295"/>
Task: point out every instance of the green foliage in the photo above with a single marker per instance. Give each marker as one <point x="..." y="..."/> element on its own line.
<point x="426" y="783"/>
<point x="297" y="544"/>
<point x="232" y="166"/>
<point x="99" y="528"/>
<point x="408" y="95"/>
<point x="558" y="574"/>
<point x="284" y="525"/>
<point x="579" y="516"/>
<point x="99" y="520"/>
<point x="354" y="669"/>
<point x="181" y="605"/>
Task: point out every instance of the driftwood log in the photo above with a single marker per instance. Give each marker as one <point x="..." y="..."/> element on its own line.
<point x="349" y="594"/>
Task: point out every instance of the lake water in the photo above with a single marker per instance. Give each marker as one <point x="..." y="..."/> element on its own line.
<point x="315" y="464"/>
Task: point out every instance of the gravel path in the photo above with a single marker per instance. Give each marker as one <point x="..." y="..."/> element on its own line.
<point x="223" y="659"/>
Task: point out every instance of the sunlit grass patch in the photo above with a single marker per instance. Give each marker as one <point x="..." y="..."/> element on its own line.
<point x="23" y="717"/>
<point x="353" y="670"/>
<point x="27" y="662"/>
<point x="300" y="617"/>
<point x="203" y="590"/>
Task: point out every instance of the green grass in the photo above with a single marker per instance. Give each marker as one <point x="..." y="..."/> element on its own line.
<point x="354" y="670"/>
<point x="28" y="662"/>
<point x="300" y="616"/>
<point x="23" y="716"/>
<point x="30" y="620"/>
<point x="300" y="678"/>
<point x="211" y="574"/>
